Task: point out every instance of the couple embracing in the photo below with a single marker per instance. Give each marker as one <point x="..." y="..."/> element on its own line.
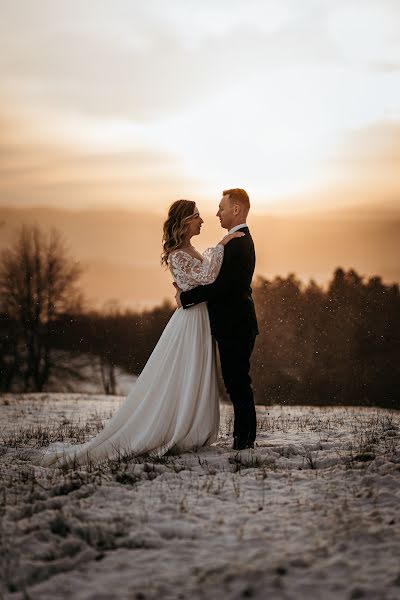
<point x="174" y="404"/>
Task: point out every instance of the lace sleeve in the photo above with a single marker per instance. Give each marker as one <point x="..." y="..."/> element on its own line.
<point x="189" y="272"/>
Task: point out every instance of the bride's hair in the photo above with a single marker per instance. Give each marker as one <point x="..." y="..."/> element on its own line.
<point x="179" y="215"/>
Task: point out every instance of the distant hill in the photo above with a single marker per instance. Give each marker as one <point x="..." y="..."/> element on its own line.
<point x="121" y="249"/>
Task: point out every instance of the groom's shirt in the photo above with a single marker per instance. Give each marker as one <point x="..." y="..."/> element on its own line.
<point x="236" y="228"/>
<point x="229" y="298"/>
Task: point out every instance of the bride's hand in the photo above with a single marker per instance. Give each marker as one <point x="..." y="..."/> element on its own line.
<point x="230" y="237"/>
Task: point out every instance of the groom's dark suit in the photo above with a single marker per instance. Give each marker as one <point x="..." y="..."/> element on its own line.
<point x="234" y="325"/>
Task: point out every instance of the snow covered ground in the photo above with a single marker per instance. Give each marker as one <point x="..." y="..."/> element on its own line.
<point x="312" y="512"/>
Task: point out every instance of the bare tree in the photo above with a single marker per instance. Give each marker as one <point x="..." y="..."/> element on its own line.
<point x="107" y="372"/>
<point x="107" y="352"/>
<point x="38" y="283"/>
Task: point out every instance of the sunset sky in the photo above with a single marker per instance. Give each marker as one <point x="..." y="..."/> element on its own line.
<point x="128" y="105"/>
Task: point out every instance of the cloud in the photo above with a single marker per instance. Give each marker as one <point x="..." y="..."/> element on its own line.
<point x="378" y="143"/>
<point x="365" y="166"/>
<point x="130" y="101"/>
<point x="34" y="170"/>
<point x="147" y="60"/>
<point x="367" y="32"/>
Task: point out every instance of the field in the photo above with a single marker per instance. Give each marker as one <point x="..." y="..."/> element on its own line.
<point x="312" y="512"/>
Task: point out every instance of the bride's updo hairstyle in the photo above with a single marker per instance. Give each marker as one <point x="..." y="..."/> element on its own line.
<point x="175" y="227"/>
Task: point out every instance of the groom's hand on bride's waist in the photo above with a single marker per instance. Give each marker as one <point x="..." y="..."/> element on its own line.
<point x="178" y="296"/>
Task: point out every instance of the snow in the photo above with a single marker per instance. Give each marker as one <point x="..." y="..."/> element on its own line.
<point x="311" y="512"/>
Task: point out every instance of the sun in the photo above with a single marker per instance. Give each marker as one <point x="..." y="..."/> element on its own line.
<point x="269" y="135"/>
<point x="277" y="135"/>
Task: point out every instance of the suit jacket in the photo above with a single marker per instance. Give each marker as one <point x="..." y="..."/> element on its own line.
<point x="230" y="303"/>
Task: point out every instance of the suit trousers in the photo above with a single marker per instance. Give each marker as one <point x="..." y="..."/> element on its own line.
<point x="235" y="355"/>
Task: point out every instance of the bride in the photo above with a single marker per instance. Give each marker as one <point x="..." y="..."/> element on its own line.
<point x="174" y="402"/>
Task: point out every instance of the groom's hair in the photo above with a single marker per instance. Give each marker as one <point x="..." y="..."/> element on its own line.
<point x="238" y="196"/>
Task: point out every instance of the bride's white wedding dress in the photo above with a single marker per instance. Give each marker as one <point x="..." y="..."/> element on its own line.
<point x="174" y="402"/>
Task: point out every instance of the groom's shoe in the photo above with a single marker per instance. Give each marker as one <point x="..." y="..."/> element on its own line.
<point x="238" y="445"/>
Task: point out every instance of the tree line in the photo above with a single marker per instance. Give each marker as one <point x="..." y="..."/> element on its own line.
<point x="335" y="346"/>
<point x="322" y="346"/>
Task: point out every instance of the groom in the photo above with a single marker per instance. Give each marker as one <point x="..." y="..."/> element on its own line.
<point x="232" y="316"/>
